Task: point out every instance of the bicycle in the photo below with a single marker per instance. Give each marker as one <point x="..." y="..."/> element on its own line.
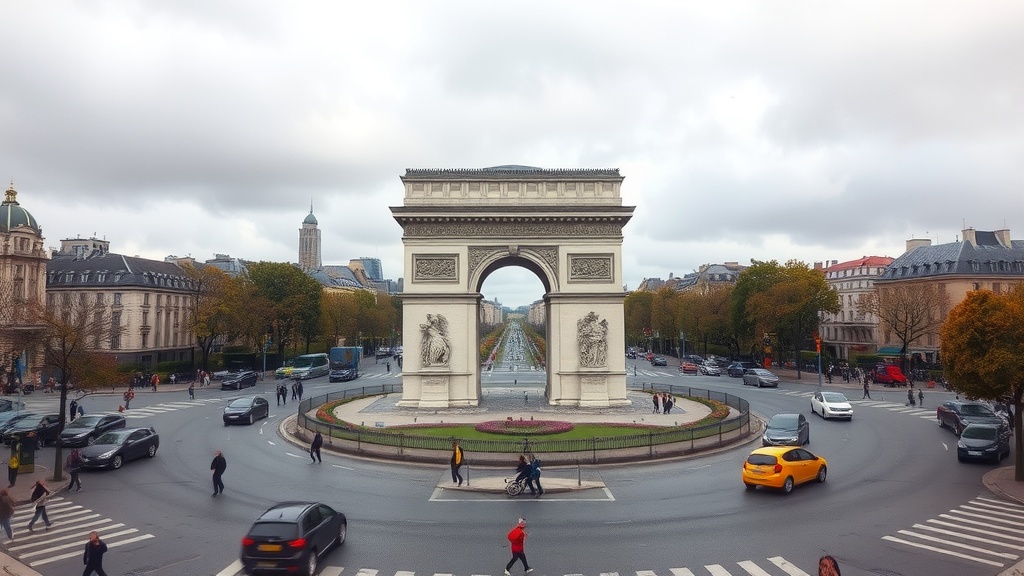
<point x="515" y="487"/>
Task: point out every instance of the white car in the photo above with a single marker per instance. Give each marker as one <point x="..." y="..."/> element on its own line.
<point x="709" y="368"/>
<point x="831" y="405"/>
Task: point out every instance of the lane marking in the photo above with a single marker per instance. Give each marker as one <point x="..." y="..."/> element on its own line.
<point x="787" y="567"/>
<point x="943" y="551"/>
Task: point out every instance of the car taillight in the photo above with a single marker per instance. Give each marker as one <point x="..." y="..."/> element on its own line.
<point x="248" y="541"/>
<point x="300" y="543"/>
<point x="778" y="468"/>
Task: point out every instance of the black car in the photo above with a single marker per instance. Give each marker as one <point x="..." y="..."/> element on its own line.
<point x="10" y="405"/>
<point x="291" y="537"/>
<point x="343" y="374"/>
<point x="957" y="414"/>
<point x="787" y="430"/>
<point x="116" y="447"/>
<point x="239" y="380"/>
<point x="44" y="426"/>
<point x="984" y="442"/>
<point x="736" y="369"/>
<point x="246" y="410"/>
<point x="86" y="429"/>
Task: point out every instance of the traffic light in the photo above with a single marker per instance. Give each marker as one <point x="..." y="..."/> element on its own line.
<point x="817" y="345"/>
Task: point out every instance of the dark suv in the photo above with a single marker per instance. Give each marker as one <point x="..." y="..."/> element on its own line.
<point x="738" y="368"/>
<point x="291" y="537"/>
<point x="239" y="380"/>
<point x="957" y="414"/>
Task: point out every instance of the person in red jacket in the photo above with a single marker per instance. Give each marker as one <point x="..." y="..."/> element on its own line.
<point x="517" y="538"/>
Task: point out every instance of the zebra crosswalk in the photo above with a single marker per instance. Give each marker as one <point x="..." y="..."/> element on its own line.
<point x="986" y="530"/>
<point x="164" y="407"/>
<point x="774" y="566"/>
<point x="66" y="537"/>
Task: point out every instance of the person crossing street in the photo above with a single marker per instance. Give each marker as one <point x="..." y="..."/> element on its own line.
<point x="517" y="542"/>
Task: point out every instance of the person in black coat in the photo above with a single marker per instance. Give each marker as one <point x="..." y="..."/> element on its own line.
<point x="314" y="448"/>
<point x="93" y="558"/>
<point x="218" y="466"/>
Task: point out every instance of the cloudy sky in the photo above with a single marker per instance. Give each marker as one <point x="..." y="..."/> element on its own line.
<point x="745" y="130"/>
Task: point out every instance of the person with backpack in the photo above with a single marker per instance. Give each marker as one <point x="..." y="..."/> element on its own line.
<point x="74" y="467"/>
<point x="535" y="478"/>
<point x="517" y="541"/>
<point x="40" y="494"/>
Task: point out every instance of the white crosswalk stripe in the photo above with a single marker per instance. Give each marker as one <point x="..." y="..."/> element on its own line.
<point x="774" y="566"/>
<point x="164" y="407"/>
<point x="70" y="527"/>
<point x="986" y="530"/>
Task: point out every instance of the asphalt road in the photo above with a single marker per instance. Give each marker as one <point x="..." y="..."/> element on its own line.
<point x="889" y="470"/>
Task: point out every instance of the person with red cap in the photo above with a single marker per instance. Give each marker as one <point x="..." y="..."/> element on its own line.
<point x="517" y="537"/>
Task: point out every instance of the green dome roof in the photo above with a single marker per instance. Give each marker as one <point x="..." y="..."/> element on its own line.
<point x="310" y="219"/>
<point x="12" y="215"/>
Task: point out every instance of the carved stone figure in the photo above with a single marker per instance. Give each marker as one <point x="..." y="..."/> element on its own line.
<point x="592" y="337"/>
<point x="435" y="349"/>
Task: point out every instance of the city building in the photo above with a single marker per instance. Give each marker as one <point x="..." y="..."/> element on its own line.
<point x="980" y="260"/>
<point x="23" y="261"/>
<point x="537" y="313"/>
<point x="709" y="277"/>
<point x="148" y="300"/>
<point x="309" y="243"/>
<point x="850" y="331"/>
<point x="491" y="313"/>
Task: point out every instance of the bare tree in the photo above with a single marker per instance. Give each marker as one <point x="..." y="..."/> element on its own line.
<point x="908" y="310"/>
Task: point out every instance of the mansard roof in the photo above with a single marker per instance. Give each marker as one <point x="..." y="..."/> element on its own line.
<point x="964" y="258"/>
<point x="110" y="270"/>
<point x="336" y="277"/>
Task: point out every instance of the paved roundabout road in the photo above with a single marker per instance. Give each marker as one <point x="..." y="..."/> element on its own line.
<point x="894" y="486"/>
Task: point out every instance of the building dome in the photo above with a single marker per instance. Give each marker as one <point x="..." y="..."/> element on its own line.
<point x="310" y="219"/>
<point x="12" y="215"/>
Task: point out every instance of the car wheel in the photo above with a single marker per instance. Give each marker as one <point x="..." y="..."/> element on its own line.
<point x="957" y="429"/>
<point x="749" y="486"/>
<point x="117" y="462"/>
<point x="151" y="452"/>
<point x="252" y="418"/>
<point x="822" y="472"/>
<point x="787" y="486"/>
<point x="342" y="532"/>
<point x="941" y="423"/>
<point x="311" y="563"/>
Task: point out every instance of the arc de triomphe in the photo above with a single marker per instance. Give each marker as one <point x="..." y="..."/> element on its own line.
<point x="563" y="225"/>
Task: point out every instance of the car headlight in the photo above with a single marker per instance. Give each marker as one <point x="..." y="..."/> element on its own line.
<point x="961" y="445"/>
<point x="108" y="454"/>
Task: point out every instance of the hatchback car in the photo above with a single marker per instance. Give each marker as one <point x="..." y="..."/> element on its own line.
<point x="291" y="537"/>
<point x="86" y="429"/>
<point x="239" y="380"/>
<point x="738" y="368"/>
<point x="783" y="468"/>
<point x="116" y="447"/>
<point x="831" y="405"/>
<point x="957" y="414"/>
<point x="787" y="430"/>
<point x="760" y="377"/>
<point x="710" y="368"/>
<point x="687" y="367"/>
<point x="246" y="410"/>
<point x="659" y="361"/>
<point x="983" y="442"/>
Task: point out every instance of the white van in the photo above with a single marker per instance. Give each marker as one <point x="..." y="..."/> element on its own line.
<point x="309" y="366"/>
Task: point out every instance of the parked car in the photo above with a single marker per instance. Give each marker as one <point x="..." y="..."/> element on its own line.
<point x="787" y="430"/>
<point x="760" y="377"/>
<point x="659" y="361"/>
<point x="11" y="405"/>
<point x="831" y="405"/>
<point x="44" y="426"/>
<point x="736" y="369"/>
<point x="983" y="442"/>
<point x="687" y="367"/>
<point x="291" y="537"/>
<point x="783" y="468"/>
<point x="84" y="430"/>
<point x="710" y="368"/>
<point x="116" y="447"/>
<point x="957" y="414"/>
<point x="239" y="380"/>
<point x="247" y="409"/>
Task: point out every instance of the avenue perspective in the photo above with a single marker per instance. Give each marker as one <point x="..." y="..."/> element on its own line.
<point x="235" y="416"/>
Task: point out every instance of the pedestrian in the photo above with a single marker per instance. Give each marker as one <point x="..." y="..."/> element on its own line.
<point x="314" y="448"/>
<point x="218" y="466"/>
<point x="93" y="558"/>
<point x="191" y="391"/>
<point x="517" y="541"/>
<point x="667" y="402"/>
<point x="523" y="471"/>
<point x="155" y="381"/>
<point x="81" y="411"/>
<point x="72" y="410"/>
<point x="74" y="465"/>
<point x="206" y="378"/>
<point x="456" y="463"/>
<point x="300" y="389"/>
<point x="657" y="403"/>
<point x="40" y="494"/>
<point x="388" y="365"/>
<point x="129" y="395"/>
<point x="910" y="397"/>
<point x="6" y="512"/>
<point x="535" y="477"/>
<point x="284" y="394"/>
<point x="920" y="397"/>
<point x="174" y="378"/>
<point x="12" y="465"/>
<point x="295" y="390"/>
<point x="827" y="566"/>
<point x="867" y="394"/>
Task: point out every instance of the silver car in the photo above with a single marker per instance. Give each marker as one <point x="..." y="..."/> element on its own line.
<point x="759" y="377"/>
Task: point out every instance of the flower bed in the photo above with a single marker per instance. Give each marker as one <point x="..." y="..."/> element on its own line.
<point x="521" y="427"/>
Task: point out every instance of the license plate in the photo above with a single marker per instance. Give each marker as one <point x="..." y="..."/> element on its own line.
<point x="759" y="471"/>
<point x="973" y="453"/>
<point x="269" y="548"/>
<point x="266" y="565"/>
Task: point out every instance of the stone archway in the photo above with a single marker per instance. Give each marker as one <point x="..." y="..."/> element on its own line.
<point x="563" y="225"/>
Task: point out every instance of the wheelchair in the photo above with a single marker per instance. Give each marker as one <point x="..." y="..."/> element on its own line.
<point x="514" y="487"/>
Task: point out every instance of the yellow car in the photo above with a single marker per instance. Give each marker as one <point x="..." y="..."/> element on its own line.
<point x="782" y="467"/>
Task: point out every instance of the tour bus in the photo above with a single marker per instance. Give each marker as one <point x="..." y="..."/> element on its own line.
<point x="309" y="366"/>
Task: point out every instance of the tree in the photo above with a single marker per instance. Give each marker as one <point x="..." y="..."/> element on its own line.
<point x="759" y="277"/>
<point x="704" y="316"/>
<point x="982" y="343"/>
<point x="339" y="314"/>
<point x="210" y="305"/>
<point x="637" y="310"/>
<point x="293" y="297"/>
<point x="908" y="310"/>
<point x="75" y="330"/>
<point x="665" y="316"/>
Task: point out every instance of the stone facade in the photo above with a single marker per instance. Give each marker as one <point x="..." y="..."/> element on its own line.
<point x="851" y="332"/>
<point x="23" y="262"/>
<point x="565" y="226"/>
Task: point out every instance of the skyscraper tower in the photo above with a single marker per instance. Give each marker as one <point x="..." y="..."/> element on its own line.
<point x="309" y="243"/>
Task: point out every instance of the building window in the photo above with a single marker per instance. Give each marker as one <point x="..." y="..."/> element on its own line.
<point x="145" y="299"/>
<point x="117" y="298"/>
<point x="115" y="336"/>
<point x="997" y="287"/>
<point x="99" y="298"/>
<point x="977" y="286"/>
